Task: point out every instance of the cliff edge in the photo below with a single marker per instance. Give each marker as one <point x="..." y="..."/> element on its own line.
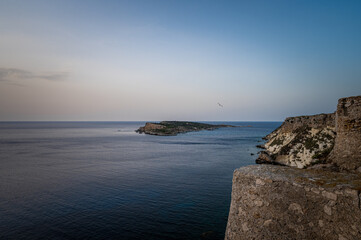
<point x="305" y="141"/>
<point x="300" y="141"/>
<point x="322" y="201"/>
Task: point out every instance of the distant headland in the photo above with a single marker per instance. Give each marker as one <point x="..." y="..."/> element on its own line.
<point x="172" y="128"/>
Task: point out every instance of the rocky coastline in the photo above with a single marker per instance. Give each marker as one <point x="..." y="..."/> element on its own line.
<point x="300" y="141"/>
<point x="315" y="193"/>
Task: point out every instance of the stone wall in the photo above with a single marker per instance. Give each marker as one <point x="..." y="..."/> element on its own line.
<point x="275" y="202"/>
<point x="346" y="153"/>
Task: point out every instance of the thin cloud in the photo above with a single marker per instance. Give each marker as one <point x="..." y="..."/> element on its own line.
<point x="16" y="74"/>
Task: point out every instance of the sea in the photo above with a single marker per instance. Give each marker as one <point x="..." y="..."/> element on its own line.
<point x="102" y="180"/>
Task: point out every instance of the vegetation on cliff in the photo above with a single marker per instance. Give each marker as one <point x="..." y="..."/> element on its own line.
<point x="308" y="140"/>
<point x="301" y="146"/>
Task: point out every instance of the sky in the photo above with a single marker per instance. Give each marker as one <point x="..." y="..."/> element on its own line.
<point x="176" y="60"/>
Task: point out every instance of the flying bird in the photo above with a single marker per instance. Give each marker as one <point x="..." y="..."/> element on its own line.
<point x="220" y="105"/>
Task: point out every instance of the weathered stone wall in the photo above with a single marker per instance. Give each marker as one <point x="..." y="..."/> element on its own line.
<point x="347" y="150"/>
<point x="274" y="202"/>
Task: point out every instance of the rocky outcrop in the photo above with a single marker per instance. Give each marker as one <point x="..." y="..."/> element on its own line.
<point x="300" y="141"/>
<point x="325" y="138"/>
<point x="321" y="202"/>
<point x="275" y="202"/>
<point x="346" y="153"/>
<point x="150" y="128"/>
<point x="318" y="121"/>
<point x="172" y="128"/>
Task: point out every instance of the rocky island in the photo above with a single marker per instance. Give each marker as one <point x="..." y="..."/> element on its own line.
<point x="172" y="128"/>
<point x="316" y="194"/>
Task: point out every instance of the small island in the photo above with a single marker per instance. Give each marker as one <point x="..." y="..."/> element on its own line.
<point x="172" y="128"/>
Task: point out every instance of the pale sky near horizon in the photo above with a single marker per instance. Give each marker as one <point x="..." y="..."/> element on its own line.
<point x="176" y="60"/>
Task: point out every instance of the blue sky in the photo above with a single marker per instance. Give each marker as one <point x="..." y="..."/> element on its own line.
<point x="175" y="60"/>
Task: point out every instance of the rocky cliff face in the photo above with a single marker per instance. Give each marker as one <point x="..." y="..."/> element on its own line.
<point x="325" y="138"/>
<point x="281" y="202"/>
<point x="151" y="128"/>
<point x="277" y="202"/>
<point x="301" y="141"/>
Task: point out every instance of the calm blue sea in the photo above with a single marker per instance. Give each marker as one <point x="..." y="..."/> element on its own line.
<point x="101" y="180"/>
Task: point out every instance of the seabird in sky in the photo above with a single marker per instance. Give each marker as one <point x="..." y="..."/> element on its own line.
<point x="220" y="105"/>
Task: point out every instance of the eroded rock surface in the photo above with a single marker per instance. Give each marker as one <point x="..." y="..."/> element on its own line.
<point x="319" y="139"/>
<point x="275" y="202"/>
<point x="320" y="202"/>
<point x="301" y="141"/>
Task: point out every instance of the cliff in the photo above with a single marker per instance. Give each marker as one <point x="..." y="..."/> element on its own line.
<point x="300" y="141"/>
<point x="320" y="202"/>
<point x="325" y="138"/>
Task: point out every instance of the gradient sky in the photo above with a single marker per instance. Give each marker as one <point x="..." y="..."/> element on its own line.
<point x="175" y="60"/>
